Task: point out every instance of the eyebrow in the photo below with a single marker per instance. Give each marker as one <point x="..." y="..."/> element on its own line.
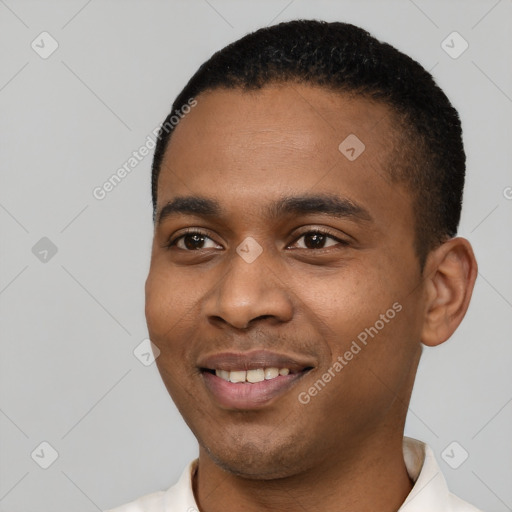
<point x="327" y="204"/>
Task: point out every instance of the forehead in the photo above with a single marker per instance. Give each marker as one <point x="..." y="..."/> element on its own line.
<point x="254" y="145"/>
<point x="283" y="113"/>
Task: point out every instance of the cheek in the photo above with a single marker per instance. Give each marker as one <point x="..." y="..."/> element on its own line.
<point x="370" y="306"/>
<point x="172" y="317"/>
<point x="350" y="301"/>
<point x="167" y="304"/>
<point x="159" y="306"/>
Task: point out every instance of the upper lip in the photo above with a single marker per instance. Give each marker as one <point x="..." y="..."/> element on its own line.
<point x="254" y="359"/>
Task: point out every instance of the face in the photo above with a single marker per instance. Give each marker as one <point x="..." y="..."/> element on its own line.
<point x="284" y="292"/>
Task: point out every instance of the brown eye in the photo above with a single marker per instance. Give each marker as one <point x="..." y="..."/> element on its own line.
<point x="318" y="240"/>
<point x="315" y="240"/>
<point x="193" y="241"/>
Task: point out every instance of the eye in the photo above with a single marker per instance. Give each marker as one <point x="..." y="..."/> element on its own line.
<point x="319" y="239"/>
<point x="192" y="241"/>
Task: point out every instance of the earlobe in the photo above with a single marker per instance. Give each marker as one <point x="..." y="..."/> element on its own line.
<point x="450" y="275"/>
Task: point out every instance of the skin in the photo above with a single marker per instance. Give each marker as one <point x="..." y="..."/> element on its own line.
<point x="343" y="450"/>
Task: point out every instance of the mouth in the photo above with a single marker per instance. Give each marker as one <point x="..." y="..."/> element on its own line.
<point x="251" y="380"/>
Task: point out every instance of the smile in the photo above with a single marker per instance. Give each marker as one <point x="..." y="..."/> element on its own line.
<point x="252" y="376"/>
<point x="245" y="381"/>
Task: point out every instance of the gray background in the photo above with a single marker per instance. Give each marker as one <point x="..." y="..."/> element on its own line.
<point x="70" y="324"/>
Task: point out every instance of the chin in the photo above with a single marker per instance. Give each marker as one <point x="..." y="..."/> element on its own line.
<point x="260" y="460"/>
<point x="255" y="469"/>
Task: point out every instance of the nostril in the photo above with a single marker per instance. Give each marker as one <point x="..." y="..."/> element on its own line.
<point x="262" y="317"/>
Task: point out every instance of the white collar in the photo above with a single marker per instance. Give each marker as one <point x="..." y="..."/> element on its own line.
<point x="429" y="494"/>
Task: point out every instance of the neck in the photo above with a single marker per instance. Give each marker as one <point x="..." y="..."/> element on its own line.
<point x="365" y="472"/>
<point x="371" y="477"/>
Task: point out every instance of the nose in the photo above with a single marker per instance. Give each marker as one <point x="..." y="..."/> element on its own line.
<point x="248" y="293"/>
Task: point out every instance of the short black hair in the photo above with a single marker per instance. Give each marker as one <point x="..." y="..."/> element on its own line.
<point x="428" y="155"/>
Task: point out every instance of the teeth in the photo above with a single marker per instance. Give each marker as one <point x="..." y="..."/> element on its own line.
<point x="223" y="374"/>
<point x="238" y="376"/>
<point x="271" y="373"/>
<point x="252" y="376"/>
<point x="255" y="375"/>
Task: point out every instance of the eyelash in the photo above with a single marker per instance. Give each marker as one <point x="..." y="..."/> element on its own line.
<point x="192" y="231"/>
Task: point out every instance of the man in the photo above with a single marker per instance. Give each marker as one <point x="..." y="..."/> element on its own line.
<point x="307" y="188"/>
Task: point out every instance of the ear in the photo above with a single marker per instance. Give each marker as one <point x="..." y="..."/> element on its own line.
<point x="450" y="274"/>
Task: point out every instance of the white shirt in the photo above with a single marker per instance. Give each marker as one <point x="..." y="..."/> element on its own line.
<point x="429" y="494"/>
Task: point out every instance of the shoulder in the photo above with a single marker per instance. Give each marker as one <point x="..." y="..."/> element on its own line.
<point x="179" y="497"/>
<point x="148" y="503"/>
<point x="459" y="505"/>
<point x="430" y="491"/>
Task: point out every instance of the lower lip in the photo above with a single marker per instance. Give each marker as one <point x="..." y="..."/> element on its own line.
<point x="246" y="395"/>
